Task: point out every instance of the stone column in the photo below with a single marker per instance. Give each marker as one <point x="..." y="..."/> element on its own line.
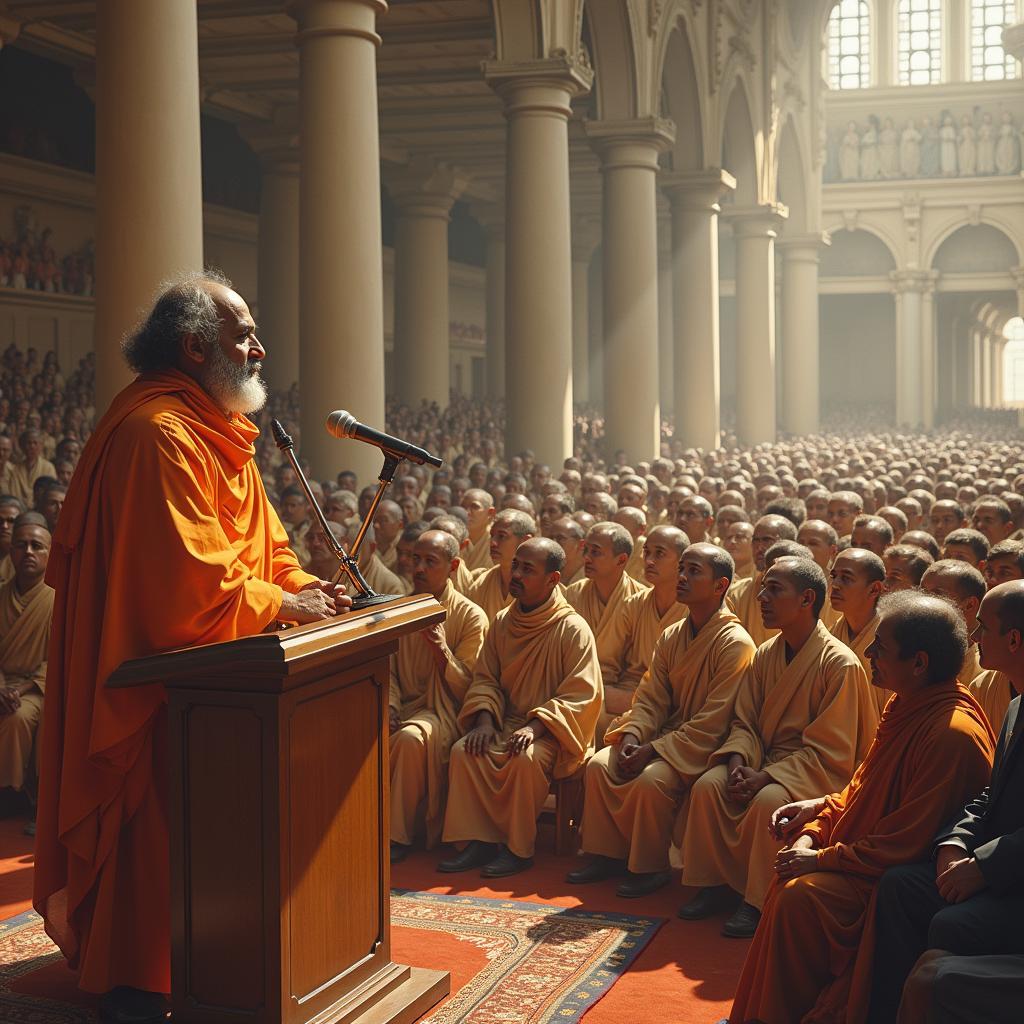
<point x="629" y="163"/>
<point x="584" y="242"/>
<point x="491" y="217"/>
<point x="977" y="392"/>
<point x="341" y="354"/>
<point x="800" y="344"/>
<point x="423" y="194"/>
<point x="696" y="385"/>
<point x="908" y="286"/>
<point x="755" y="229"/>
<point x="986" y="369"/>
<point x="666" y="318"/>
<point x="278" y="251"/>
<point x="929" y="352"/>
<point x="998" y="354"/>
<point x="149" y="197"/>
<point x="538" y="276"/>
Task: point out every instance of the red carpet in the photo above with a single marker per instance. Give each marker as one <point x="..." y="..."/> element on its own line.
<point x="686" y="974"/>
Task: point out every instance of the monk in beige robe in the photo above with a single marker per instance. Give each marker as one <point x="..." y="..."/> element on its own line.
<point x="680" y="715"/>
<point x="570" y="534"/>
<point x="529" y="717"/>
<point x="10" y="508"/>
<point x="378" y="575"/>
<point x="24" y="474"/>
<point x="405" y="548"/>
<point x="600" y="599"/>
<point x="964" y="586"/>
<point x="430" y="675"/>
<point x="823" y="543"/>
<point x="742" y="596"/>
<point x="803" y="721"/>
<point x="635" y="523"/>
<point x="461" y="577"/>
<point x="387" y="528"/>
<point x="696" y="518"/>
<point x="737" y="539"/>
<point x="26" y="610"/>
<point x="490" y="589"/>
<point x="480" y="513"/>
<point x="857" y="577"/>
<point x="990" y="687"/>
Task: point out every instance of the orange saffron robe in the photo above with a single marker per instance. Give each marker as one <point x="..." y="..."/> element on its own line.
<point x="810" y="960"/>
<point x="166" y="540"/>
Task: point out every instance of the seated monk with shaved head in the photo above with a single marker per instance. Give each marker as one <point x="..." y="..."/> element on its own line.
<point x="570" y="535"/>
<point x="480" y="512"/>
<point x="490" y="589"/>
<point x="811" y="958"/>
<point x="680" y="714"/>
<point x="803" y="720"/>
<point x="742" y="596"/>
<point x="635" y="523"/>
<point x="529" y="717"/>
<point x="430" y="675"/>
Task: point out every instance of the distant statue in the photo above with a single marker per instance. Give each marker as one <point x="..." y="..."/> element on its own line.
<point x="967" y="150"/>
<point x="870" y="168"/>
<point x="929" y="148"/>
<point x="849" y="154"/>
<point x="1007" y="146"/>
<point x="910" y="151"/>
<point x="986" y="145"/>
<point x="947" y="147"/>
<point x="889" y="150"/>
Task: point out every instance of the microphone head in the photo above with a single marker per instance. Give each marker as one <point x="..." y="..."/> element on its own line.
<point x="341" y="424"/>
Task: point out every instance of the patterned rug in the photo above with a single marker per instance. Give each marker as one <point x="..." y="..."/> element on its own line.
<point x="539" y="962"/>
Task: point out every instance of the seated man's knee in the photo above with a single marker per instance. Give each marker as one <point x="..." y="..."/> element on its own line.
<point x="408" y="737"/>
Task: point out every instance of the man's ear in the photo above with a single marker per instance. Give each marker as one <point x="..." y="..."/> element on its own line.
<point x="193" y="348"/>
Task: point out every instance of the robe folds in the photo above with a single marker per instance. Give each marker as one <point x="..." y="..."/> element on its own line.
<point x="683" y="707"/>
<point x="808" y="724"/>
<point x="859" y="644"/>
<point x="993" y="691"/>
<point x="428" y="702"/>
<point x="24" y="640"/>
<point x="811" y="958"/>
<point x="635" y="565"/>
<point x="462" y="578"/>
<point x="166" y="540"/>
<point x="478" y="554"/>
<point x="605" y="620"/>
<point x="382" y="579"/>
<point x="486" y="591"/>
<point x="539" y="664"/>
<point x="741" y="597"/>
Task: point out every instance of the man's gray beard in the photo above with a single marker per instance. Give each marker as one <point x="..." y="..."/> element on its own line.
<point x="234" y="388"/>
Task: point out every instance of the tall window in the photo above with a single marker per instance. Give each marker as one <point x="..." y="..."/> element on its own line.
<point x="989" y="61"/>
<point x="849" y="65"/>
<point x="919" y="32"/>
<point x="1013" y="367"/>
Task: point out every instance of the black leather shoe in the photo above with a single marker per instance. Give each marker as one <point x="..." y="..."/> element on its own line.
<point x="743" y="923"/>
<point x="596" y="870"/>
<point x="506" y="863"/>
<point x="475" y="855"/>
<point x="715" y="899"/>
<point x="124" y="1005"/>
<point x="399" y="851"/>
<point x="643" y="884"/>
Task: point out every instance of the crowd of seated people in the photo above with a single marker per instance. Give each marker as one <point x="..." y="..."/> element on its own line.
<point x="788" y="670"/>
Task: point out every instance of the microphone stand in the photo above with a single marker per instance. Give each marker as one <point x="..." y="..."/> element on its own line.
<point x="349" y="566"/>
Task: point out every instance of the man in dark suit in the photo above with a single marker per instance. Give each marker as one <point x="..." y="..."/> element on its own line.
<point x="970" y="900"/>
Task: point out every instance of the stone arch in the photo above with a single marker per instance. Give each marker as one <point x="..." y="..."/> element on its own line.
<point x="865" y="252"/>
<point x="792" y="186"/>
<point x="880" y="233"/>
<point x="616" y="75"/>
<point x="1004" y="251"/>
<point x="740" y="156"/>
<point x="518" y="29"/>
<point x="678" y="80"/>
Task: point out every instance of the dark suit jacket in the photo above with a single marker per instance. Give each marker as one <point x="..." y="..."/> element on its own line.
<point x="992" y="826"/>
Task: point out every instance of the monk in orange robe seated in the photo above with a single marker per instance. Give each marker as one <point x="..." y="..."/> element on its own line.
<point x="169" y="473"/>
<point x="811" y="957"/>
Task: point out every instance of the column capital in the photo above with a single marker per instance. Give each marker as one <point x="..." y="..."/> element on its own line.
<point x="922" y="281"/>
<point x="545" y="85"/>
<point x="803" y="248"/>
<point x="425" y="187"/>
<point x="634" y="143"/>
<point x="337" y="18"/>
<point x="762" y="220"/>
<point x="696" y="190"/>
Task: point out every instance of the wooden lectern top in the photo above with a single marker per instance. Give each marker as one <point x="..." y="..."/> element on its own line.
<point x="278" y="661"/>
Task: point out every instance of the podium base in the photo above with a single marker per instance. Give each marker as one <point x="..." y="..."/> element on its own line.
<point x="402" y="1004"/>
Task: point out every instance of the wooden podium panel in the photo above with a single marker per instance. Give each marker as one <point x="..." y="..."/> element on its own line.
<point x="280" y="876"/>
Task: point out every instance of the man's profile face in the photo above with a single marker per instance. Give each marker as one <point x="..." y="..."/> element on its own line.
<point x="503" y="543"/>
<point x="695" y="579"/>
<point x="661" y="561"/>
<point x="53" y="502"/>
<point x="478" y="512"/>
<point x="599" y="561"/>
<point x="781" y="602"/>
<point x="630" y="496"/>
<point x="988" y="521"/>
<point x="764" y="537"/>
<point x="889" y="669"/>
<point x="1001" y="569"/>
<point x="230" y="371"/>
<point x="994" y="646"/>
<point x="850" y="590"/>
<point x="814" y="538"/>
<point x="897" y="575"/>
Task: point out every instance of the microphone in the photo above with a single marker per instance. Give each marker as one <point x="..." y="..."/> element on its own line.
<point x="343" y="424"/>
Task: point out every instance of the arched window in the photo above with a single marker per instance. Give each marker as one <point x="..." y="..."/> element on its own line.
<point x="849" y="64"/>
<point x="989" y="61"/>
<point x="1013" y="365"/>
<point x="919" y="37"/>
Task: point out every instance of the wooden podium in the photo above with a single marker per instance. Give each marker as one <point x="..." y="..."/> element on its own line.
<point x="279" y="779"/>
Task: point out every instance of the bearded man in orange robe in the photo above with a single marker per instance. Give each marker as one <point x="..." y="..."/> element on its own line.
<point x="166" y="540"/>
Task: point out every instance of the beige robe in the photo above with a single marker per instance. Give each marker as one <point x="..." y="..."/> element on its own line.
<point x="24" y="639"/>
<point x="22" y="477"/>
<point x="6" y="569"/>
<point x="601" y="617"/>
<point x="993" y="691"/>
<point x="383" y="580"/>
<point x="578" y="576"/>
<point x="635" y="565"/>
<point x="683" y="707"/>
<point x="859" y="644"/>
<point x="972" y="667"/>
<point x="388" y="555"/>
<point x="428" y="702"/>
<point x="540" y="664"/>
<point x="808" y="724"/>
<point x="478" y="553"/>
<point x="485" y="590"/>
<point x="742" y="599"/>
<point x="462" y="578"/>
